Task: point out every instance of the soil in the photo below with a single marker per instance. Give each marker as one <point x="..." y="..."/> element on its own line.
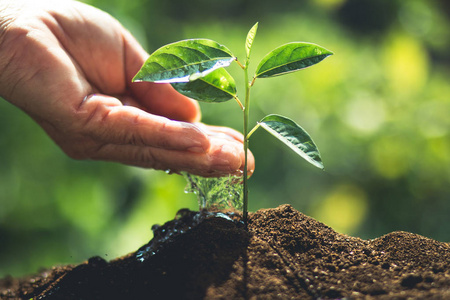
<point x="284" y="254"/>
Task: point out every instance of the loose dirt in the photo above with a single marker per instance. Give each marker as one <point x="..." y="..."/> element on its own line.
<point x="284" y="254"/>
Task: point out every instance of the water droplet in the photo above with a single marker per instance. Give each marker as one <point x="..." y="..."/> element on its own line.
<point x="222" y="215"/>
<point x="218" y="193"/>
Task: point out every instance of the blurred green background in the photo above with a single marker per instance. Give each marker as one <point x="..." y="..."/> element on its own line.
<point x="378" y="110"/>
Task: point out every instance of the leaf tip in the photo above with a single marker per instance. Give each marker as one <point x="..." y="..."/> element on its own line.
<point x="328" y="52"/>
<point x="317" y="163"/>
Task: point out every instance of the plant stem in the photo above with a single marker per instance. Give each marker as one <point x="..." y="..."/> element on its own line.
<point x="253" y="130"/>
<point x="239" y="103"/>
<point x="246" y="115"/>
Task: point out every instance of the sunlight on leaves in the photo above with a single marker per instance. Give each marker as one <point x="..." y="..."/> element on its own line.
<point x="250" y="38"/>
<point x="290" y="58"/>
<point x="184" y="61"/>
<point x="217" y="86"/>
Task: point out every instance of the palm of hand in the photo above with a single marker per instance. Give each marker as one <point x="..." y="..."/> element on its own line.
<point x="70" y="68"/>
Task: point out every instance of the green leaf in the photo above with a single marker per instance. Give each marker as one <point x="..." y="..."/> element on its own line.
<point x="290" y="58"/>
<point x="250" y="38"/>
<point x="293" y="136"/>
<point x="217" y="86"/>
<point x="184" y="61"/>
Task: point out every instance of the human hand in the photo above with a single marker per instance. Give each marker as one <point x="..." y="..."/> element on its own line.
<point x="69" y="66"/>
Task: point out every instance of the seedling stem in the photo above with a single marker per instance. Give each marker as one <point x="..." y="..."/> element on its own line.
<point x="196" y="68"/>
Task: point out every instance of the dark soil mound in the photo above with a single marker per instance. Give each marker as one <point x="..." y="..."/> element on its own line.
<point x="283" y="255"/>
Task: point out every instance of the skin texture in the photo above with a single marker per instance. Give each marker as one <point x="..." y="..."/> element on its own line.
<point x="69" y="66"/>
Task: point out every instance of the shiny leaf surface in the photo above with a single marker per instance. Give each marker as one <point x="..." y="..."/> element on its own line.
<point x="250" y="38"/>
<point x="294" y="136"/>
<point x="217" y="86"/>
<point x="290" y="58"/>
<point x="184" y="61"/>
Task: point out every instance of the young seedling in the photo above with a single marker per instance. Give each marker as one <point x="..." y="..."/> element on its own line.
<point x="196" y="68"/>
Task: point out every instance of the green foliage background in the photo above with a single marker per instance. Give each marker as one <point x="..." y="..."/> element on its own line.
<point x="378" y="110"/>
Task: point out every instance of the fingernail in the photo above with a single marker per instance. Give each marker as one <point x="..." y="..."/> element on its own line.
<point x="226" y="161"/>
<point x="196" y="149"/>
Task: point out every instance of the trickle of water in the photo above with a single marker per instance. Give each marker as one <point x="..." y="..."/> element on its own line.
<point x="212" y="194"/>
<point x="218" y="193"/>
<point x="184" y="221"/>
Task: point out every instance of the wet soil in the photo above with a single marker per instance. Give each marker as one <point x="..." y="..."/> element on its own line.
<point x="284" y="254"/>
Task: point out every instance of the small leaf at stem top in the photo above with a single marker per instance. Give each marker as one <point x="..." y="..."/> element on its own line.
<point x="184" y="61"/>
<point x="217" y="86"/>
<point x="290" y="58"/>
<point x="294" y="136"/>
<point x="250" y="38"/>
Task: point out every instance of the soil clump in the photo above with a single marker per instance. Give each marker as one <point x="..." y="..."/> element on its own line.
<point x="284" y="254"/>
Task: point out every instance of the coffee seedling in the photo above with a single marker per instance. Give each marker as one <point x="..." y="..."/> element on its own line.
<point x="196" y="68"/>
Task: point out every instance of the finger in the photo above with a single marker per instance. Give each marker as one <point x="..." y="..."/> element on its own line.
<point x="230" y="134"/>
<point x="162" y="99"/>
<point x="223" y="158"/>
<point x="106" y="120"/>
<point x="157" y="98"/>
<point x="221" y="131"/>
